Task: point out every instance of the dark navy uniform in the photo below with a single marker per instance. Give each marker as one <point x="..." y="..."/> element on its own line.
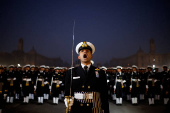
<point x="26" y="82"/>
<point x="89" y="91"/>
<point x="47" y="79"/>
<point x="2" y="88"/>
<point x="56" y="81"/>
<point x="143" y="78"/>
<point x="40" y="86"/>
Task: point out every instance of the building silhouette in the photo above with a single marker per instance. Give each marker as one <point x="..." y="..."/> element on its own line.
<point x="31" y="57"/>
<point x="143" y="59"/>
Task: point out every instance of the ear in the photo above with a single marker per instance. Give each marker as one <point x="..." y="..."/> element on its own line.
<point x="79" y="57"/>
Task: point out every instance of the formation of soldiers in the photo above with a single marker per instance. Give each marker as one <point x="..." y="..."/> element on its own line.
<point x="133" y="84"/>
<point x="27" y="82"/>
<point x="136" y="84"/>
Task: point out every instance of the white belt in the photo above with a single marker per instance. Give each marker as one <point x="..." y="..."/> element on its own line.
<point x="39" y="79"/>
<point x="83" y="96"/>
<point x="46" y="82"/>
<point x="26" y="79"/>
<point x="118" y="80"/>
<point x="11" y="79"/>
<point x="135" y="80"/>
<point x="56" y="81"/>
<point x="149" y="79"/>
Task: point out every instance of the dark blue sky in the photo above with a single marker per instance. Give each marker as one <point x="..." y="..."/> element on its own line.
<point x="117" y="28"/>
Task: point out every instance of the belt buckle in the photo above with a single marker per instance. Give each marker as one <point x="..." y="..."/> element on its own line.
<point x="86" y="95"/>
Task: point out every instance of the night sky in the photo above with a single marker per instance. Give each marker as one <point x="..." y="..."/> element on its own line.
<point x="117" y="28"/>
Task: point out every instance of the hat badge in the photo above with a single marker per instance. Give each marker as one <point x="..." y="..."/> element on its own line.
<point x="84" y="44"/>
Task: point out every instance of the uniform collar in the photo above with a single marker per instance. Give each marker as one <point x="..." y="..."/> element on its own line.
<point x="82" y="65"/>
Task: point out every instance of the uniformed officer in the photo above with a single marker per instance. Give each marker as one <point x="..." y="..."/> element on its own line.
<point x="143" y="83"/>
<point x="19" y="82"/>
<point x="40" y="84"/>
<point x="165" y="83"/>
<point x="47" y="81"/>
<point x="2" y="87"/>
<point x="150" y="85"/>
<point x="26" y="82"/>
<point x="55" y="85"/>
<point x="112" y="83"/>
<point x="128" y="83"/>
<point x="33" y="78"/>
<point x="158" y="83"/>
<point x="62" y="86"/>
<point x="135" y="79"/>
<point x="10" y="84"/>
<point x="119" y="85"/>
<point x="88" y="89"/>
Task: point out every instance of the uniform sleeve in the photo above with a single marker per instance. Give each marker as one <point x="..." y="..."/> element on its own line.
<point x="104" y="92"/>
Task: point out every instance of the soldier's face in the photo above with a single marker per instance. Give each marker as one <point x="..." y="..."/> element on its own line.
<point x="134" y="69"/>
<point x="10" y="69"/>
<point x="32" y="69"/>
<point x="119" y="70"/>
<point x="1" y="70"/>
<point x="165" y="69"/>
<point x="156" y="70"/>
<point x="46" y="70"/>
<point x="27" y="68"/>
<point x="85" y="56"/>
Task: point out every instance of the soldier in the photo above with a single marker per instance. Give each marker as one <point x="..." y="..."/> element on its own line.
<point x="120" y="79"/>
<point x="40" y="84"/>
<point x="158" y="83"/>
<point x="135" y="78"/>
<point x="112" y="83"/>
<point x="89" y="85"/>
<point x="19" y="82"/>
<point x="165" y="83"/>
<point x="10" y="84"/>
<point x="26" y="82"/>
<point x="63" y="81"/>
<point x="2" y="87"/>
<point x="33" y="78"/>
<point x="47" y="81"/>
<point x="150" y="85"/>
<point x="128" y="83"/>
<point x="143" y="83"/>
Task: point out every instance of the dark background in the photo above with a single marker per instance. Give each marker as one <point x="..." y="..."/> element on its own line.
<point x="117" y="28"/>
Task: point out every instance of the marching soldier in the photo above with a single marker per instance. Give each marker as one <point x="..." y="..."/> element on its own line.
<point x="128" y="83"/>
<point x="143" y="83"/>
<point x="10" y="84"/>
<point x="33" y="78"/>
<point x="165" y="83"/>
<point x="112" y="83"/>
<point x="62" y="86"/>
<point x="40" y="84"/>
<point x="158" y="83"/>
<point x="120" y="79"/>
<point x="47" y="79"/>
<point x="18" y="74"/>
<point x="150" y="85"/>
<point x="26" y="82"/>
<point x="55" y="85"/>
<point x="135" y="78"/>
<point x="88" y="91"/>
<point x="2" y="87"/>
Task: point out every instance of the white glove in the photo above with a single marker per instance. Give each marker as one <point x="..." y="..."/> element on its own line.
<point x="130" y="86"/>
<point x="146" y="86"/>
<point x="114" y="87"/>
<point x="71" y="101"/>
<point x="50" y="87"/>
<point x="35" y="87"/>
<point x="161" y="86"/>
<point x="155" y="80"/>
<point x="124" y="81"/>
<point x="139" y="80"/>
<point x="14" y="78"/>
<point x="20" y="85"/>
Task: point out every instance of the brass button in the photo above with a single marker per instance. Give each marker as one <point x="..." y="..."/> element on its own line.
<point x="88" y="87"/>
<point x="83" y="86"/>
<point x="87" y="104"/>
<point x="81" y="104"/>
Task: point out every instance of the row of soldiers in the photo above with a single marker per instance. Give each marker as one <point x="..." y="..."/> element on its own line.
<point x="29" y="80"/>
<point x="136" y="84"/>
